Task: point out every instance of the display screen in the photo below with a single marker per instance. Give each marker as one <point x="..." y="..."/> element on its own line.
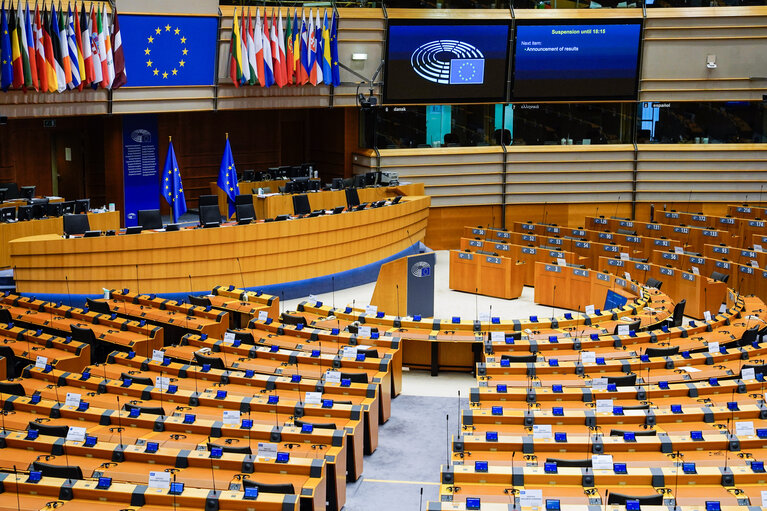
<point x="585" y="60"/>
<point x="449" y="62"/>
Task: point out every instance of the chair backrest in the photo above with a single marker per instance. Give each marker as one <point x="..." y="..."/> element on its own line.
<point x="721" y="277"/>
<point x="301" y="205"/>
<point x="243" y="199"/>
<point x="678" y="315"/>
<point x="202" y="301"/>
<point x="215" y="362"/>
<point x="644" y="500"/>
<point x="27" y="192"/>
<point x="7" y="214"/>
<point x="76" y="224"/>
<point x="208" y="200"/>
<point x="245" y="212"/>
<point x="352" y="198"/>
<point x="286" y="488"/>
<point x="623" y="381"/>
<point x="210" y="214"/>
<point x="12" y="190"/>
<point x="98" y="306"/>
<point x="245" y="337"/>
<point x="59" y="471"/>
<point x="150" y="218"/>
<point x="651" y="282"/>
<point x="661" y="352"/>
<point x="634" y="325"/>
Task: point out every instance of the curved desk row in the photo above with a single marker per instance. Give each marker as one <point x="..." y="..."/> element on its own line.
<point x="194" y="259"/>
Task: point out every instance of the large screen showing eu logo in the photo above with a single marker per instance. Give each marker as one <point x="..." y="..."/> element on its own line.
<point x="583" y="60"/>
<point x="446" y="62"/>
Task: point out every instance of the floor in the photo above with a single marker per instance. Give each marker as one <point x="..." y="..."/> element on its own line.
<point x="404" y="471"/>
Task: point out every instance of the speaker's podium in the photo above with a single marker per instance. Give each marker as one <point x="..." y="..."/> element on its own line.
<point x="405" y="286"/>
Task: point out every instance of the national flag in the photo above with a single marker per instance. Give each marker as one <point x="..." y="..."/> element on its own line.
<point x="85" y="38"/>
<point x="326" y="63"/>
<point x="251" y="52"/>
<point x="245" y="63"/>
<point x="277" y="65"/>
<point x="336" y="69"/>
<point x="281" y="49"/>
<point x="78" y="37"/>
<point x="41" y="63"/>
<point x="6" y="66"/>
<point x="72" y="48"/>
<point x="311" y="45"/>
<point x="267" y="48"/>
<point x="258" y="48"/>
<point x="109" y="78"/>
<point x="98" y="67"/>
<point x="304" y="45"/>
<point x="121" y="74"/>
<point x="172" y="189"/>
<point x="58" y="59"/>
<point x="290" y="66"/>
<point x="28" y="25"/>
<point x="318" y="50"/>
<point x="235" y="59"/>
<point x="52" y="67"/>
<point x="227" y="177"/>
<point x="297" y="59"/>
<point x="59" y="36"/>
<point x="18" y="66"/>
<point x="24" y="47"/>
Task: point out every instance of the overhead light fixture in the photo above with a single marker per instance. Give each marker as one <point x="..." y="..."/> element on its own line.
<point x="359" y="56"/>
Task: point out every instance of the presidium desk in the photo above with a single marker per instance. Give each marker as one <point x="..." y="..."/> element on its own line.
<point x="192" y="260"/>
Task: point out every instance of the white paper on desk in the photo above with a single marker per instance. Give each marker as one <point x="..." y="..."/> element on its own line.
<point x="713" y="347"/>
<point x="267" y="450"/>
<point x="313" y="398"/>
<point x="363" y="331"/>
<point x="159" y="480"/>
<point x="602" y="462"/>
<point x="371" y="310"/>
<point x="231" y="417"/>
<point x="158" y="356"/>
<point x="764" y="498"/>
<point x="624" y="256"/>
<point x="690" y="369"/>
<point x="707" y="315"/>
<point x="754" y="264"/>
<point x="229" y="338"/>
<point x="589" y="309"/>
<point x="313" y="298"/>
<point x="41" y="362"/>
<point x="542" y="431"/>
<point x="588" y="357"/>
<point x="530" y="498"/>
<point x="484" y="317"/>
<point x="73" y="399"/>
<point x="599" y="383"/>
<point x="162" y="382"/>
<point x="744" y="428"/>
<point x="695" y="270"/>
<point x="498" y="336"/>
<point x="76" y="434"/>
<point x="748" y="374"/>
<point x="561" y="261"/>
<point x="604" y="406"/>
<point x="623" y="329"/>
<point x="263" y="315"/>
<point x="349" y="352"/>
<point x="627" y="275"/>
<point x="106" y="293"/>
<point x="333" y="376"/>
<point x="722" y="308"/>
<point x="758" y="248"/>
<point x="363" y="347"/>
<point x="678" y="250"/>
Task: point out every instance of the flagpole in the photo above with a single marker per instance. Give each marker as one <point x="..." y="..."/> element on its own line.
<point x="172" y="209"/>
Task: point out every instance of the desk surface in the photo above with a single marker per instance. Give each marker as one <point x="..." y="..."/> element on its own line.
<point x="196" y="259"/>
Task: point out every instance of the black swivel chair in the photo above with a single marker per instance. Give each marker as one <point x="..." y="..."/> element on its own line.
<point x="208" y="200"/>
<point x="243" y="208"/>
<point x="12" y="190"/>
<point x="720" y="277"/>
<point x="352" y="198"/>
<point x="301" y="205"/>
<point x="651" y="282"/>
<point x="150" y="218"/>
<point x="675" y="319"/>
<point x="210" y="216"/>
<point x="76" y="224"/>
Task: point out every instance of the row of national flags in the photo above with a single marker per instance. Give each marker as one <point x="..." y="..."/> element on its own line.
<point x="53" y="51"/>
<point x="173" y="191"/>
<point x="267" y="55"/>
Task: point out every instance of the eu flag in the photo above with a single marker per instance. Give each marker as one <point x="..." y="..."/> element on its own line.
<point x="172" y="189"/>
<point x="6" y="68"/>
<point x="227" y="177"/>
<point x="169" y="50"/>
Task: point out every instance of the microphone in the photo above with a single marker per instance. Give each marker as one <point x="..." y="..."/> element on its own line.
<point x="397" y="288"/>
<point x="447" y="431"/>
<point x="545" y="212"/>
<point x="553" y="297"/>
<point x="652" y="213"/>
<point x="138" y="293"/>
<point x="409" y="237"/>
<point x="242" y="279"/>
<point x="513" y="499"/>
<point x="66" y="278"/>
<point x="618" y="202"/>
<point x="333" y="286"/>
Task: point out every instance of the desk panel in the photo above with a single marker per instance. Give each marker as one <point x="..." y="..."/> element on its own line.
<point x="194" y="259"/>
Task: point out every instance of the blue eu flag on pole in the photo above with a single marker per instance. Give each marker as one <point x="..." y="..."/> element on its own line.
<point x="6" y="69"/>
<point x="227" y="177"/>
<point x="172" y="189"/>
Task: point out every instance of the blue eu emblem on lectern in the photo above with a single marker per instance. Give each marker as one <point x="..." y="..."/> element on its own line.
<point x="467" y="71"/>
<point x="421" y="269"/>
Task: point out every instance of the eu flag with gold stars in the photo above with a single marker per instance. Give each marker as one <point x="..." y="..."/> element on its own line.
<point x="172" y="189"/>
<point x="169" y="50"/>
<point x="227" y="177"/>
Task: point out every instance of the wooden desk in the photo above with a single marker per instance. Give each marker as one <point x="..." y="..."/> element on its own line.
<point x="200" y="259"/>
<point x="486" y="275"/>
<point x="15" y="230"/>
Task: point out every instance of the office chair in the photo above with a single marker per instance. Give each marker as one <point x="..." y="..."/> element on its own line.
<point x="151" y="410"/>
<point x="150" y="218"/>
<point x="210" y="216"/>
<point x="355" y="377"/>
<point x="301" y="205"/>
<point x="215" y="362"/>
<point x="24" y="213"/>
<point x="7" y="214"/>
<point x="59" y="471"/>
<point x="201" y="301"/>
<point x="623" y="381"/>
<point x="99" y="306"/>
<point x="651" y="282"/>
<point x="27" y="192"/>
<point x="286" y="488"/>
<point x="236" y="449"/>
<point x="58" y="430"/>
<point x="352" y="198"/>
<point x="661" y="352"/>
<point x="12" y="190"/>
<point x="3" y="193"/>
<point x="644" y="500"/>
<point x="244" y="211"/>
<point x="208" y="200"/>
<point x="293" y="319"/>
<point x="720" y="277"/>
<point x="99" y="350"/>
<point x="75" y="224"/>
<point x="243" y="336"/>
<point x="39" y="207"/>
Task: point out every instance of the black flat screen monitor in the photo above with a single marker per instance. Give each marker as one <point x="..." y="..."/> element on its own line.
<point x="576" y="60"/>
<point x="7" y="214"/>
<point x="82" y="205"/>
<point x="54" y="209"/>
<point x="446" y="61"/>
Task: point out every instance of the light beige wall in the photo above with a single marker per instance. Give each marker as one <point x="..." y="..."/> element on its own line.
<point x="168" y="6"/>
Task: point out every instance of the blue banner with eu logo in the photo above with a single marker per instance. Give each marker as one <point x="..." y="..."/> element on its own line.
<point x="169" y="50"/>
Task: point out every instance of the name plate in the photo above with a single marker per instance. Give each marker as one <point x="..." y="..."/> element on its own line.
<point x="688" y="276"/>
<point x="626" y="223"/>
<point x="612" y="248"/>
<point x="621" y="283"/>
<point x="748" y="253"/>
<point x="683" y="230"/>
<point x="615" y="262"/>
<point x="697" y="260"/>
<point x="554" y="268"/>
<point x="554" y="241"/>
<point x="580" y="273"/>
<point x="747" y="269"/>
<point x="667" y="271"/>
<point x="605" y="236"/>
<point x="600" y="221"/>
<point x="528" y="227"/>
<point x="551" y="229"/>
<point x="475" y="243"/>
<point x="464" y="255"/>
<point x="672" y="215"/>
<point x="730" y="221"/>
<point x="756" y="223"/>
<point x="528" y="237"/>
<point x="670" y="256"/>
<point x="743" y="209"/>
<point x="653" y="227"/>
<point x="529" y="250"/>
<point x="555" y="253"/>
<point x="481" y="232"/>
<point x="579" y="232"/>
<point x="641" y="266"/>
<point x="721" y="250"/>
<point x="711" y="234"/>
<point x="493" y="260"/>
<point x="722" y="264"/>
<point x="603" y="276"/>
<point x="502" y="246"/>
<point x="582" y="244"/>
<point x="503" y="235"/>
<point x="662" y="243"/>
<point x="698" y="218"/>
<point x="633" y="239"/>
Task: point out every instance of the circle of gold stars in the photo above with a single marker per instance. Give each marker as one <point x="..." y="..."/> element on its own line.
<point x="148" y="52"/>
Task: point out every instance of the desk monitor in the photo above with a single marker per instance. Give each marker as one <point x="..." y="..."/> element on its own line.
<point x="68" y="207"/>
<point x="3" y="192"/>
<point x="359" y="181"/>
<point x="12" y="190"/>
<point x="361" y="206"/>
<point x="27" y="192"/>
<point x="82" y="205"/>
<point x="176" y="488"/>
<point x="279" y="218"/>
<point x="172" y="227"/>
<point x="92" y="234"/>
<point x="39" y="208"/>
<point x="338" y="209"/>
<point x="338" y="183"/>
<point x="25" y="213"/>
<point x="248" y="175"/>
<point x="396" y="199"/>
<point x="134" y="229"/>
<point x="54" y="209"/>
<point x="7" y="214"/>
